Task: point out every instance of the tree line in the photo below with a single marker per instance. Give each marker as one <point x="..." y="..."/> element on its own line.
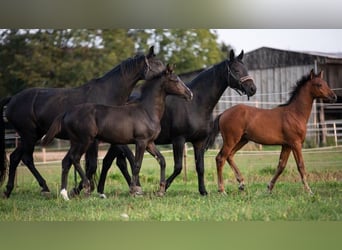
<point x="71" y="57"/>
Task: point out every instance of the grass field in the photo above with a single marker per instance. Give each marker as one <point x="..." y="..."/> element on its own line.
<point x="182" y="202"/>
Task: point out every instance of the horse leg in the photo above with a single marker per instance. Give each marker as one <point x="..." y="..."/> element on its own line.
<point x="112" y="153"/>
<point x="15" y="158"/>
<point x="284" y="156"/>
<point x="140" y="147"/>
<point x="66" y="164"/>
<point x="178" y="148"/>
<point x="121" y="162"/>
<point x="151" y="148"/>
<point x="297" y="153"/>
<point x="28" y="161"/>
<point x="220" y="161"/>
<point x="199" y="159"/>
<point x="233" y="165"/>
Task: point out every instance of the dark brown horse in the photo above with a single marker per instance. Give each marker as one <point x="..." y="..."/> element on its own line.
<point x="284" y="125"/>
<point x="32" y="111"/>
<point x="135" y="123"/>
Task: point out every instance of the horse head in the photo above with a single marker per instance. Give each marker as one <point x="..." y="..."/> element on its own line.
<point x="238" y="77"/>
<point x="320" y="88"/>
<point x="174" y="85"/>
<point x="153" y="66"/>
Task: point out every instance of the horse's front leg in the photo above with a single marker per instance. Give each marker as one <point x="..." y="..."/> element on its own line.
<point x="199" y="159"/>
<point x="66" y="164"/>
<point x="297" y="153"/>
<point x="140" y="147"/>
<point x="151" y="148"/>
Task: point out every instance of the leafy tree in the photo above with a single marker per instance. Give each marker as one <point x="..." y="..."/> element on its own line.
<point x="189" y="49"/>
<point x="58" y="58"/>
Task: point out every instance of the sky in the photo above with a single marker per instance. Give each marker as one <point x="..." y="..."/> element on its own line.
<point x="318" y="40"/>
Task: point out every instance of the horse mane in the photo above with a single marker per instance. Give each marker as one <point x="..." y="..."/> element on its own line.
<point x="125" y="66"/>
<point x="295" y="90"/>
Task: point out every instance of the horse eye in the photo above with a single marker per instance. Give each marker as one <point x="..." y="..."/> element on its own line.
<point x="319" y="85"/>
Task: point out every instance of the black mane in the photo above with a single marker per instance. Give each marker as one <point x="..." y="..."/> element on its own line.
<point x="295" y="90"/>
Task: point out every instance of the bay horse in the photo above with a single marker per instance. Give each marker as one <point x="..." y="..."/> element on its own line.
<point x="191" y="121"/>
<point x="284" y="125"/>
<point x="32" y="110"/>
<point x="135" y="123"/>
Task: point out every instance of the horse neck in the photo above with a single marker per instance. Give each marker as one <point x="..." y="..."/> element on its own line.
<point x="302" y="103"/>
<point x="118" y="83"/>
<point x="209" y="86"/>
<point x="153" y="101"/>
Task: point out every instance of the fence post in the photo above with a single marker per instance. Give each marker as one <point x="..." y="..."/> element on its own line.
<point x="335" y="134"/>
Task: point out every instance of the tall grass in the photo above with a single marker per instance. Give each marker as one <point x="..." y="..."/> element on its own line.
<point x="182" y="201"/>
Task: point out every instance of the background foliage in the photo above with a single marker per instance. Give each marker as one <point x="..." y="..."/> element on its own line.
<point x="71" y="57"/>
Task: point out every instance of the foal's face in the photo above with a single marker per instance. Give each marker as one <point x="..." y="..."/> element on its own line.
<point x="320" y="88"/>
<point x="175" y="86"/>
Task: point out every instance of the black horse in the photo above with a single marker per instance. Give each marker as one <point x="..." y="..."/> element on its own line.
<point x="32" y="111"/>
<point x="191" y="121"/>
<point x="137" y="123"/>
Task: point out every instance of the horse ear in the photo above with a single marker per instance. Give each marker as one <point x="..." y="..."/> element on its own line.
<point x="231" y="55"/>
<point x="321" y="74"/>
<point x="240" y="56"/>
<point x="169" y="69"/>
<point x="312" y="74"/>
<point x="151" y="52"/>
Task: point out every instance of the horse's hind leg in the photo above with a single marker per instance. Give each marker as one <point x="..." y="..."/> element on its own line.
<point x="220" y="161"/>
<point x="178" y="148"/>
<point x="284" y="156"/>
<point x="28" y="161"/>
<point x="297" y="153"/>
<point x="233" y="165"/>
<point x="151" y="148"/>
<point x="15" y="158"/>
<point x="112" y="153"/>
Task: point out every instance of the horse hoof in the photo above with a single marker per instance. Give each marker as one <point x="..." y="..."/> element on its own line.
<point x="222" y="192"/>
<point x="204" y="193"/>
<point x="45" y="194"/>
<point x="74" y="192"/>
<point x="242" y="187"/>
<point x="64" y="194"/>
<point x="136" y="191"/>
<point x="160" y="194"/>
<point x="102" y="196"/>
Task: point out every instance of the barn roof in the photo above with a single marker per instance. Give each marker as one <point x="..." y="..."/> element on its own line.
<point x="265" y="57"/>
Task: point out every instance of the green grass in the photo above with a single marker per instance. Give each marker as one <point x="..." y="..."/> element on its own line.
<point x="182" y="202"/>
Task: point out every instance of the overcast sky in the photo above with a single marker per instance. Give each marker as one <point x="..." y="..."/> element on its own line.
<point x="323" y="40"/>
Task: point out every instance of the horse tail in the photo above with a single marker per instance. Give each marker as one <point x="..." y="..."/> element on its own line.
<point x="3" y="159"/>
<point x="55" y="128"/>
<point x="213" y="133"/>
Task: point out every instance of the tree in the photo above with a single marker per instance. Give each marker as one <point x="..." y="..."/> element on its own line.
<point x="58" y="58"/>
<point x="189" y="49"/>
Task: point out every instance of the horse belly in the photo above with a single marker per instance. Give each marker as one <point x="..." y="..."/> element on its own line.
<point x="265" y="132"/>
